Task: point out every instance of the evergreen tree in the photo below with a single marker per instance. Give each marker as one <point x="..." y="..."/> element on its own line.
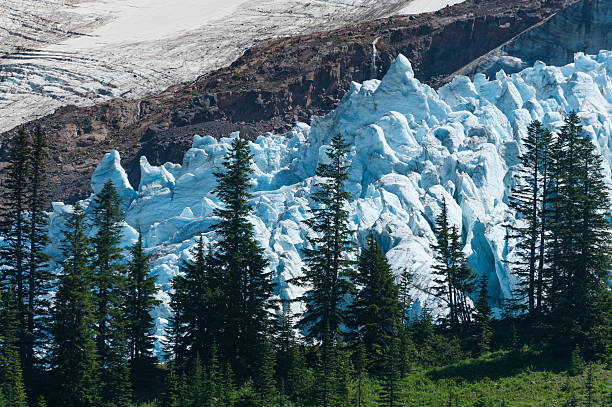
<point x="240" y="264"/>
<point x="376" y="309"/>
<point x="453" y="278"/>
<point x="14" y="253"/>
<point x="140" y="302"/>
<point x="110" y="292"/>
<point x="263" y="380"/>
<point x="39" y="276"/>
<point x="483" y="316"/>
<point x="172" y="395"/>
<point x="196" y="322"/>
<point x="360" y="370"/>
<point x="530" y="199"/>
<point x="329" y="269"/>
<point x="11" y="378"/>
<point x="73" y="354"/>
<point x="580" y="236"/>
<point x="391" y="393"/>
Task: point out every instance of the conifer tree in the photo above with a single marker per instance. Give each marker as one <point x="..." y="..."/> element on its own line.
<point x="73" y="356"/>
<point x="483" y="316"/>
<point x="329" y="269"/>
<point x="580" y="236"/>
<point x="391" y="393"/>
<point x="453" y="278"/>
<point x="172" y="395"/>
<point x="140" y="302"/>
<point x="263" y="380"/>
<point x="240" y="264"/>
<point x="376" y="308"/>
<point x="11" y="378"/>
<point x="360" y="370"/>
<point x="14" y="253"/>
<point x="196" y="324"/>
<point x="39" y="276"/>
<point x="530" y="199"/>
<point x="110" y="296"/>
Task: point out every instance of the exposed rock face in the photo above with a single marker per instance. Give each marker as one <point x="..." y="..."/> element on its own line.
<point x="585" y="26"/>
<point x="276" y="84"/>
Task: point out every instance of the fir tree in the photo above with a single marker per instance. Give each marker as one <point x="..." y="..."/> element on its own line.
<point x="39" y="277"/>
<point x="73" y="354"/>
<point x="15" y="231"/>
<point x="240" y="264"/>
<point x="329" y="269"/>
<point x="11" y="377"/>
<point x="483" y="316"/>
<point x="109" y="295"/>
<point x="391" y="393"/>
<point x="172" y="395"/>
<point x="530" y="199"/>
<point x="360" y="370"/>
<point x="580" y="236"/>
<point x="263" y="380"/>
<point x="196" y="320"/>
<point x="453" y="278"/>
<point x="376" y="309"/>
<point x="141" y="301"/>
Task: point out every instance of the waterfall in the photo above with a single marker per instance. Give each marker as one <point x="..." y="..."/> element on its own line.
<point x="374" y="55"/>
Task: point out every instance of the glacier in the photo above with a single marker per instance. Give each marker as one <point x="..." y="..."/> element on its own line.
<point x="411" y="148"/>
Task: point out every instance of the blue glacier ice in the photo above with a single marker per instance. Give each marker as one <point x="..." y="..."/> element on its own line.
<point x="411" y="147"/>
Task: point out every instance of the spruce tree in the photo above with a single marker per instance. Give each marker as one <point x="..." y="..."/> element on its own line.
<point x="14" y="252"/>
<point x="263" y="380"/>
<point x="530" y="200"/>
<point x="73" y="353"/>
<point x="110" y="293"/>
<point x="453" y="278"/>
<point x="196" y="323"/>
<point x="11" y="378"/>
<point x="376" y="308"/>
<point x="329" y="269"/>
<point x="391" y="395"/>
<point x="580" y="236"/>
<point x="140" y="302"/>
<point x="483" y="316"/>
<point x="39" y="276"/>
<point x="240" y="264"/>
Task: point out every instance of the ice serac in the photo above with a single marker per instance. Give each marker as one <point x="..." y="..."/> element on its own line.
<point x="411" y="149"/>
<point x="110" y="169"/>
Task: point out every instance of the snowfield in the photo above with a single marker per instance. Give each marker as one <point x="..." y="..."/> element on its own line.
<point x="412" y="147"/>
<point x="59" y="52"/>
<point x="426" y="6"/>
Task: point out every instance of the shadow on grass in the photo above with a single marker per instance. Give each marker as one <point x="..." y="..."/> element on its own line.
<point x="498" y="365"/>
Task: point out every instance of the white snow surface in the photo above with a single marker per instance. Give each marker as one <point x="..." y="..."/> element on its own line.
<point x="411" y="147"/>
<point x="60" y="52"/>
<point x="426" y="6"/>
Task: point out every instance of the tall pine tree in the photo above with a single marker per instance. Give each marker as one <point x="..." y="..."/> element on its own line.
<point x="15" y="231"/>
<point x="239" y="260"/>
<point x="453" y="278"/>
<point x="73" y="353"/>
<point x="110" y="294"/>
<point x="140" y="302"/>
<point x="39" y="276"/>
<point x="376" y="309"/>
<point x="329" y="269"/>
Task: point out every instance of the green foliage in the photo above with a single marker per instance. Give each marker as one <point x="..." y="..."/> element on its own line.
<point x="530" y="198"/>
<point x="140" y="302"/>
<point x="328" y="272"/>
<point x="376" y="308"/>
<point x="453" y="278"/>
<point x="11" y="377"/>
<point x="73" y="356"/>
<point x="576" y="364"/>
<point x="240" y="265"/>
<point x="109" y="294"/>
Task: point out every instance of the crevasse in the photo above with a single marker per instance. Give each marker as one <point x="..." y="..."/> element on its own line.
<point x="411" y="147"/>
